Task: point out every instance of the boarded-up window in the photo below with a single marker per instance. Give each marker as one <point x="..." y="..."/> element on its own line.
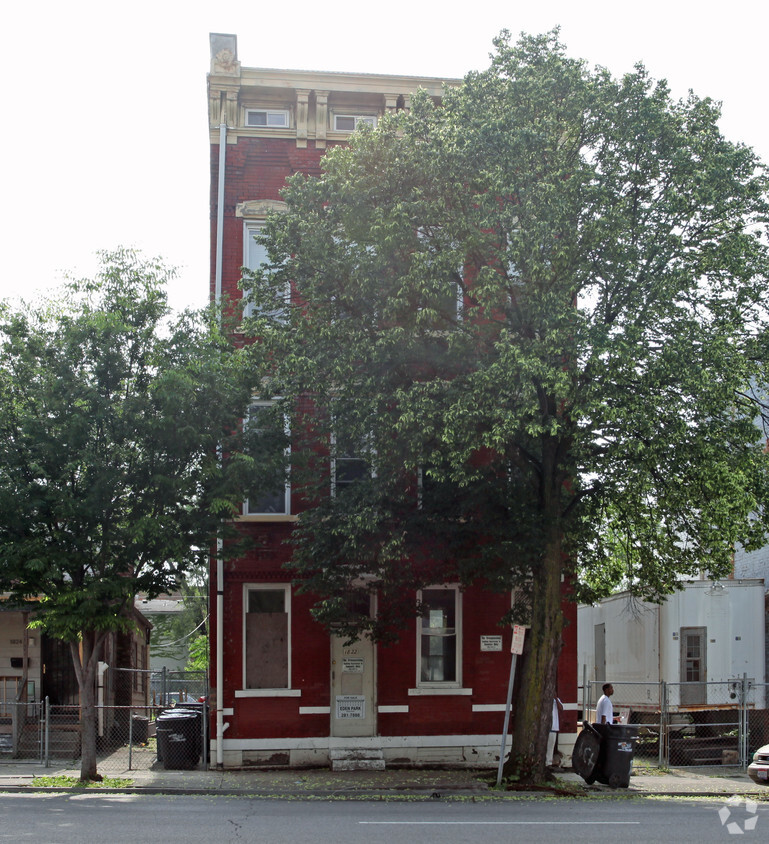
<point x="266" y="639"/>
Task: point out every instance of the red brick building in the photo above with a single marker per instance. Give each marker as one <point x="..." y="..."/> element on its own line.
<point x="285" y="691"/>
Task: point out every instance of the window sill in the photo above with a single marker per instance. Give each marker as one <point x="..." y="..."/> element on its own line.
<point x="438" y="690"/>
<point x="267" y="517"/>
<point x="268" y="693"/>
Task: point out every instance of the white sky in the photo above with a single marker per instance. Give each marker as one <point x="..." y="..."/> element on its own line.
<point x="104" y="130"/>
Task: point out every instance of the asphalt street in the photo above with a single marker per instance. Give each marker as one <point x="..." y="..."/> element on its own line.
<point x="85" y="818"/>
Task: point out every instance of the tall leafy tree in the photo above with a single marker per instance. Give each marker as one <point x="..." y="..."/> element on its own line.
<point x="535" y="312"/>
<point x="111" y="412"/>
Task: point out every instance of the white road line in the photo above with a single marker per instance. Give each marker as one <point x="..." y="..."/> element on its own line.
<point x="501" y="823"/>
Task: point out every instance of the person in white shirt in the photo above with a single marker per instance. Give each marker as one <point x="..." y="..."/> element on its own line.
<point x="604" y="710"/>
<point x="554" y="728"/>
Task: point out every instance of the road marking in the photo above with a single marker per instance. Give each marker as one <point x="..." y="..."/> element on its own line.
<point x="502" y="823"/>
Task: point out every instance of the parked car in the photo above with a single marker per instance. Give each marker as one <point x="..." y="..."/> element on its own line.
<point x="758" y="770"/>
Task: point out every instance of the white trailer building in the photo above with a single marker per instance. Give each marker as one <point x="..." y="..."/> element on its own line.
<point x="702" y="641"/>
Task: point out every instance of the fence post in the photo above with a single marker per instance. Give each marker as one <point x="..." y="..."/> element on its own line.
<point x="130" y="737"/>
<point x="206" y="748"/>
<point x="47" y="733"/>
<point x="663" y="743"/>
<point x="744" y="738"/>
<point x="163" y="700"/>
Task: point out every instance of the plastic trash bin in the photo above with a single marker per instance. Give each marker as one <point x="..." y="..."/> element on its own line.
<point x="199" y="712"/>
<point x="200" y="707"/>
<point x="604" y="752"/>
<point x="178" y="739"/>
<point x="140" y="726"/>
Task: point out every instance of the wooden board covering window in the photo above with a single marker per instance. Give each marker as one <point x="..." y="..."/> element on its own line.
<point x="266" y="650"/>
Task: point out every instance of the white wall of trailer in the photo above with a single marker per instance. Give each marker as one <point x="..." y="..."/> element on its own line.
<point x="631" y="640"/>
<point x="643" y="641"/>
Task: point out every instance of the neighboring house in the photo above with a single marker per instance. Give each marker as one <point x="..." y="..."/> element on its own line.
<point x="169" y="648"/>
<point x="700" y="641"/>
<point x="50" y="674"/>
<point x="285" y="691"/>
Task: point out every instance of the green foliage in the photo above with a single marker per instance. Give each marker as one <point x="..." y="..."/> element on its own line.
<point x="110" y="416"/>
<point x="608" y="243"/>
<point x="63" y="781"/>
<point x="587" y="410"/>
<point x="198" y="659"/>
<point x="173" y="632"/>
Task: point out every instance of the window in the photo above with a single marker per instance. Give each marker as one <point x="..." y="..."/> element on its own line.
<point x="350" y="122"/>
<point x="272" y="118"/>
<point x="267" y="637"/>
<point x="254" y="257"/>
<point x="347" y="464"/>
<point x="445" y="296"/>
<point x="448" y="301"/>
<point x="270" y="447"/>
<point x="438" y="633"/>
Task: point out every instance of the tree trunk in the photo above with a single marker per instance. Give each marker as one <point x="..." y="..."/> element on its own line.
<point x="86" y="663"/>
<point x="533" y="704"/>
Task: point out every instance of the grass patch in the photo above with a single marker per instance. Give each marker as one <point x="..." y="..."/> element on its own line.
<point x="62" y="781"/>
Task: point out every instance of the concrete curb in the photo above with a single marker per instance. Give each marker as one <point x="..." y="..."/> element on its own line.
<point x="405" y="793"/>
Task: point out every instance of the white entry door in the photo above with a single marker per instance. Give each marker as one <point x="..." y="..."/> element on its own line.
<point x="353" y="688"/>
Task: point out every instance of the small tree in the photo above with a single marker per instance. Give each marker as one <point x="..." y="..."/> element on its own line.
<point x="111" y="413"/>
<point x="535" y="311"/>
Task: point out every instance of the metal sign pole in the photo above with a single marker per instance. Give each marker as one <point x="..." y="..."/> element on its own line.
<point x="507" y="719"/>
<point x="516" y="648"/>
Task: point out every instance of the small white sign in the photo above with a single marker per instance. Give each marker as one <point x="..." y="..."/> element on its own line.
<point x="516" y="647"/>
<point x="350" y="706"/>
<point x="491" y="643"/>
<point x="352" y="666"/>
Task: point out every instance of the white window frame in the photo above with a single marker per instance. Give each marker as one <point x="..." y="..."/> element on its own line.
<point x="286" y="691"/>
<point x="335" y="459"/>
<point x="251" y="228"/>
<point x="442" y="686"/>
<point x="283" y="113"/>
<point x="287" y="452"/>
<point x="370" y="119"/>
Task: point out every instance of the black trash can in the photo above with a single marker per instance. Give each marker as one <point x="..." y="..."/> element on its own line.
<point x="199" y="711"/>
<point x="178" y="739"/>
<point x="604" y="752"/>
<point x="140" y="726"/>
<point x="161" y="734"/>
<point x="199" y="707"/>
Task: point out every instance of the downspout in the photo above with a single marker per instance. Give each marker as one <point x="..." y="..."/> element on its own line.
<point x="220" y="207"/>
<point x="219" y="542"/>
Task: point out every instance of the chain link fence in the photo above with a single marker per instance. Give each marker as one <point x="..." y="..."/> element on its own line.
<point x="690" y="724"/>
<point x="21" y="731"/>
<point x="164" y="722"/>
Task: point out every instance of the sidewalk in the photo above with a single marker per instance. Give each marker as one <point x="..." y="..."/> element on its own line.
<point x="321" y="783"/>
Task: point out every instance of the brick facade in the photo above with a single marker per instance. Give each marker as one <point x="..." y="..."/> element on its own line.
<point x="404" y="724"/>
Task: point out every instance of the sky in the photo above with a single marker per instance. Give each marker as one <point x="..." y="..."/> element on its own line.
<point x="104" y="111"/>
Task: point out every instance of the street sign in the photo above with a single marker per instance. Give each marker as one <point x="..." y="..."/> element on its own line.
<point x="516" y="647"/>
